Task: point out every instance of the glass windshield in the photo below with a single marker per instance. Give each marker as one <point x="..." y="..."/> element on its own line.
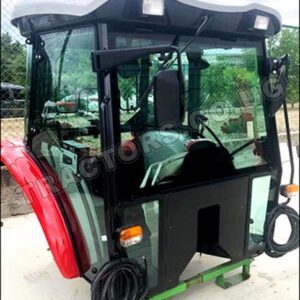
<point x="222" y="88"/>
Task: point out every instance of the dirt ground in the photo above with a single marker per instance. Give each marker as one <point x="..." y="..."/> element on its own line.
<point x="13" y="201"/>
<point x="12" y="128"/>
<point x="293" y="117"/>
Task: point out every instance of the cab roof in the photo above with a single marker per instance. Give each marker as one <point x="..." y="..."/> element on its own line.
<point x="44" y="15"/>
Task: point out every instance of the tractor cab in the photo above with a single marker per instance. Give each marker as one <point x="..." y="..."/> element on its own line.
<point x="150" y="136"/>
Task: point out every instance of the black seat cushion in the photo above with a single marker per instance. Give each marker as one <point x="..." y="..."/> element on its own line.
<point x="204" y="164"/>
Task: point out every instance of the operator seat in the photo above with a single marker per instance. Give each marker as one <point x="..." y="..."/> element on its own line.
<point x="165" y="138"/>
<point x="159" y="140"/>
<point x="164" y="148"/>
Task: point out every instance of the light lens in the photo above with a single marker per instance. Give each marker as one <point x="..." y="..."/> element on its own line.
<point x="131" y="236"/>
<point x="153" y="7"/>
<point x="289" y="190"/>
<point x="261" y="22"/>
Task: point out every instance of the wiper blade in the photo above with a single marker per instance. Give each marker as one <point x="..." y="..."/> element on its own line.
<point x="164" y="65"/>
<point x="190" y="42"/>
<point x="242" y="147"/>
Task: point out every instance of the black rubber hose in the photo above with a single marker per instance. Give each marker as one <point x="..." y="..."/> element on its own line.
<point x="123" y="279"/>
<point x="274" y="249"/>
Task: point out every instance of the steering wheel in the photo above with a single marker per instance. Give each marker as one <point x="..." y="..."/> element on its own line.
<point x="203" y="120"/>
<point x="167" y="169"/>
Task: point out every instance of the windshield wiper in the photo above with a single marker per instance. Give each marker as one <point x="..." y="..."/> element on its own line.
<point x="242" y="147"/>
<point x="164" y="65"/>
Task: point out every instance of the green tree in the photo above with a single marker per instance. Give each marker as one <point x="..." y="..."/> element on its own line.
<point x="287" y="42"/>
<point x="13" y="60"/>
<point x="225" y="82"/>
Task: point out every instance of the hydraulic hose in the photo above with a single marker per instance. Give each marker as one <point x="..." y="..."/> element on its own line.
<point x="123" y="279"/>
<point x="274" y="249"/>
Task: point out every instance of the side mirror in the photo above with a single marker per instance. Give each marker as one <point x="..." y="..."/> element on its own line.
<point x="168" y="97"/>
<point x="276" y="90"/>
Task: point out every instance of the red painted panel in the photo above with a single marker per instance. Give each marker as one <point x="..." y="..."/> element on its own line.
<point x="38" y="192"/>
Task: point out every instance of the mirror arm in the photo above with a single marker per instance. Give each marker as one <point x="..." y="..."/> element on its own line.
<point x="275" y="64"/>
<point x="289" y="140"/>
<point x="103" y="60"/>
<point x="275" y="67"/>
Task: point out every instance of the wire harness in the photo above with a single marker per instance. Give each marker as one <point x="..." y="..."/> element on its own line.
<point x="123" y="279"/>
<point x="274" y="249"/>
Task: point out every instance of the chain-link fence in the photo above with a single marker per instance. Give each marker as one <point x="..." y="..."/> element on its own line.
<point x="13" y="77"/>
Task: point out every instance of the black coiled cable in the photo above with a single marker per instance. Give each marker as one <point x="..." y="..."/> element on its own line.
<point x="123" y="279"/>
<point x="274" y="249"/>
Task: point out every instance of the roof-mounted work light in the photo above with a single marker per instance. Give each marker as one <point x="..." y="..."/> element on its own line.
<point x="154" y="7"/>
<point x="261" y="22"/>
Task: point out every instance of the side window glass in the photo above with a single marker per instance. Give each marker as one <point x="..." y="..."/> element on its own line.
<point x="67" y="90"/>
<point x="147" y="216"/>
<point x="259" y="204"/>
<point x="68" y="138"/>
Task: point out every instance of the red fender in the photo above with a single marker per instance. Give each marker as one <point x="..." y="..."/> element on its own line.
<point x="44" y="203"/>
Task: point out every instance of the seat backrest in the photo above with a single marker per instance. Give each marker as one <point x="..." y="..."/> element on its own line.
<point x="163" y="141"/>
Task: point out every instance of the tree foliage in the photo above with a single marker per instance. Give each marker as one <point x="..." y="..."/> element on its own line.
<point x="13" y="60"/>
<point x="225" y="80"/>
<point x="287" y="42"/>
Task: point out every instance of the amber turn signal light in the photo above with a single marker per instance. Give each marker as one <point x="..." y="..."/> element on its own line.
<point x="131" y="236"/>
<point x="289" y="190"/>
